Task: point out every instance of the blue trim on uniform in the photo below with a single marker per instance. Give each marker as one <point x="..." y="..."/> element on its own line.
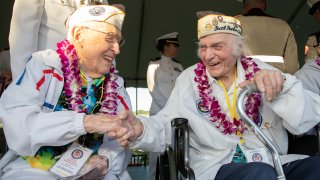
<point x="21" y="77"/>
<point x="50" y="106"/>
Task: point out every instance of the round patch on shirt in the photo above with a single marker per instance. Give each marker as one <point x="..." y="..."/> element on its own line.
<point x="201" y="108"/>
<point x="257" y="157"/>
<point x="77" y="154"/>
<point x="96" y="11"/>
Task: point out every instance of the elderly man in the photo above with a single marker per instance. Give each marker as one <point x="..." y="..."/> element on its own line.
<point x="55" y="114"/>
<point x="221" y="146"/>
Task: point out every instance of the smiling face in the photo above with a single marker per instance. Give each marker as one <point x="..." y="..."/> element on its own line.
<point x="97" y="44"/>
<point x="218" y="54"/>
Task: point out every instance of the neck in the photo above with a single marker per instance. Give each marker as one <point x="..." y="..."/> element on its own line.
<point x="87" y="73"/>
<point x="228" y="79"/>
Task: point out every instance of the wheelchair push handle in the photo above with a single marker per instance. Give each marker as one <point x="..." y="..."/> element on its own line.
<point x="247" y="90"/>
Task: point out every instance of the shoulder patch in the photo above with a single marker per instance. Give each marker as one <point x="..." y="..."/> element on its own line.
<point x="155" y="59"/>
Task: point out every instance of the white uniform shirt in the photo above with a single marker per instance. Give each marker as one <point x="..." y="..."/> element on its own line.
<point x="161" y="77"/>
<point x="38" y="25"/>
<point x="295" y="109"/>
<point x="309" y="76"/>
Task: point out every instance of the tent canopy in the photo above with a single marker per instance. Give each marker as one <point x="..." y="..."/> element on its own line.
<point x="148" y="19"/>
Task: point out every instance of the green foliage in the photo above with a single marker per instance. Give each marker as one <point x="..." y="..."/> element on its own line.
<point x="142" y="112"/>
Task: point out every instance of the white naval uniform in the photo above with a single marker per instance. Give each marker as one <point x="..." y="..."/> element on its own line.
<point x="161" y="77"/>
<point x="295" y="109"/>
<point x="29" y="121"/>
<point x="38" y="25"/>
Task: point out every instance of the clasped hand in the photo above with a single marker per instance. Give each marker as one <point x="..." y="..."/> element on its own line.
<point x="124" y="127"/>
<point x="269" y="82"/>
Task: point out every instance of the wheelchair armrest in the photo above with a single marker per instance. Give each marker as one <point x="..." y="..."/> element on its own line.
<point x="180" y="139"/>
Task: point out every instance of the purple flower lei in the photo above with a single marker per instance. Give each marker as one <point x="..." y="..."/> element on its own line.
<point x="318" y="60"/>
<point x="73" y="82"/>
<point x="219" y="118"/>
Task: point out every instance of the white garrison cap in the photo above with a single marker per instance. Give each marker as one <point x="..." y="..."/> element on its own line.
<point x="170" y="38"/>
<point x="217" y="23"/>
<point x="100" y="13"/>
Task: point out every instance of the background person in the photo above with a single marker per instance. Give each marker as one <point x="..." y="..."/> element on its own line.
<point x="161" y="76"/>
<point x="269" y="38"/>
<point x="313" y="41"/>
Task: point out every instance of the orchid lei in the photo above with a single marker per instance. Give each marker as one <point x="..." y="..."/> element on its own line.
<point x="318" y="60"/>
<point x="73" y="82"/>
<point x="219" y="118"/>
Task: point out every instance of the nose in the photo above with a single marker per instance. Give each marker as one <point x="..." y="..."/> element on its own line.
<point x="209" y="54"/>
<point x="116" y="48"/>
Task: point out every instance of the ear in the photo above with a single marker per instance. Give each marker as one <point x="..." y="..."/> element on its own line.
<point x="77" y="34"/>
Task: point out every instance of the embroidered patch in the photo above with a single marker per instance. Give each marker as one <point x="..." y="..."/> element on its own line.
<point x="201" y="108"/>
<point x="96" y="11"/>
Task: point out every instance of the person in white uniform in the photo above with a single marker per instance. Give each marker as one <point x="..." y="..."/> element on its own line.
<point x="221" y="146"/>
<point x="161" y="76"/>
<point x="38" y="25"/>
<point x="63" y="102"/>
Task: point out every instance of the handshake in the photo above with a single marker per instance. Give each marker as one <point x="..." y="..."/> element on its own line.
<point x="124" y="127"/>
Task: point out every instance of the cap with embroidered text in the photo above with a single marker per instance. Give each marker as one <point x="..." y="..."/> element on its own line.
<point x="212" y="22"/>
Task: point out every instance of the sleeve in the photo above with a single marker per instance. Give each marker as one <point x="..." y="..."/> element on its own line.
<point x="157" y="128"/>
<point x="26" y="125"/>
<point x="24" y="29"/>
<point x="299" y="108"/>
<point x="291" y="54"/>
<point x="158" y="90"/>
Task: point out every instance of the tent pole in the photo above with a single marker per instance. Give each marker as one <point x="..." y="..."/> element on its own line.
<point x="139" y="51"/>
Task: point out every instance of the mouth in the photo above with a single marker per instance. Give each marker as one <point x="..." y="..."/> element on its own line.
<point x="107" y="58"/>
<point x="214" y="64"/>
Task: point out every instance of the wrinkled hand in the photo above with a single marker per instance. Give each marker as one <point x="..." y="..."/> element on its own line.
<point x="98" y="167"/>
<point x="102" y="123"/>
<point x="134" y="128"/>
<point x="318" y="49"/>
<point x="269" y="82"/>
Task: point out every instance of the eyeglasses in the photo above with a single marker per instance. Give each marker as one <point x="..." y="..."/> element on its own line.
<point x="110" y="37"/>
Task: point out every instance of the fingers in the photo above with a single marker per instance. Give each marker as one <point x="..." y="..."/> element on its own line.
<point x="269" y="82"/>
